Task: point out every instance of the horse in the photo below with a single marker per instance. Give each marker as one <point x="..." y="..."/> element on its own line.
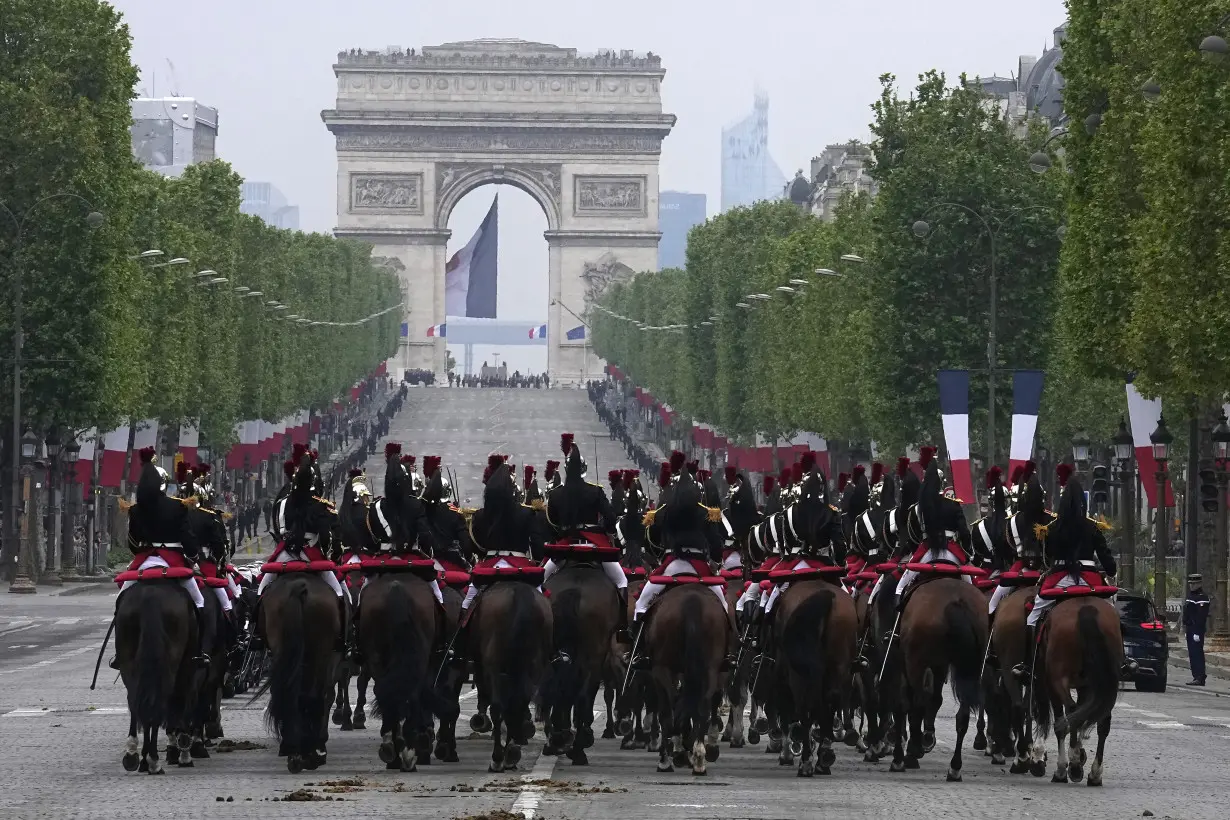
<point x="155" y="629"/>
<point x="449" y="680"/>
<point x="1081" y="649"/>
<point x="398" y="626"/>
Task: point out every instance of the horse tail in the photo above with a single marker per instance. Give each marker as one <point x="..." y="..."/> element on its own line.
<point x="397" y="691"/>
<point x="695" y="663"/>
<point x="1101" y="673"/>
<point x="516" y="683"/>
<point x="801" y="638"/>
<point x="563" y="680"/>
<point x="286" y="676"/>
<point x="151" y="667"/>
<point x="965" y="652"/>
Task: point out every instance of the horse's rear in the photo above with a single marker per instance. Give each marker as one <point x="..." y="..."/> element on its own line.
<point x="397" y="628"/>
<point x="155" y="629"/>
<point x="585" y="613"/>
<point x="299" y="619"/>
<point x="1010" y="643"/>
<point x="687" y="637"/>
<point x="512" y="629"/>
<point x="1082" y="651"/>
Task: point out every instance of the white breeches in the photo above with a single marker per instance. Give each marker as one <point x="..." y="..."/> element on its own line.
<point x="932" y="555"/>
<point x="1041" y="605"/>
<point x="435" y="590"/>
<point x="328" y="577"/>
<point x="223" y="599"/>
<point x="612" y="569"/>
<point x="472" y="591"/>
<point x="752" y="593"/>
<point x="778" y="589"/>
<point x="1000" y="593"/>
<point x="652" y="591"/>
<point x="198" y="600"/>
<point x="875" y="590"/>
<point x="733" y="561"/>
<point x="233" y="586"/>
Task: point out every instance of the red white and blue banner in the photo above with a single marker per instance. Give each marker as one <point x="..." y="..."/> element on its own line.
<point x="539" y="332"/>
<point x="146" y="435"/>
<point x="189" y="441"/>
<point x="1143" y="415"/>
<point x="438" y="331"/>
<point x="115" y="452"/>
<point x="954" y="412"/>
<point x="576" y="334"/>
<point x="1026" y="401"/>
<point x="470" y="275"/>
<point x="83" y="470"/>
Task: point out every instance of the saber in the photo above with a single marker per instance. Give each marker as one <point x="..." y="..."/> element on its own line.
<point x="101" y="650"/>
<point x="888" y="649"/>
<point x="630" y="671"/>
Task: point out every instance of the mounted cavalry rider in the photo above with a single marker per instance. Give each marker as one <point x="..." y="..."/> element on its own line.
<point x="160" y="534"/>
<point x="446" y="522"/>
<point x="940" y="516"/>
<point x="551" y="475"/>
<point x="1076" y="552"/>
<point x="215" y="547"/>
<point x="1011" y="531"/>
<point x="579" y="513"/>
<point x="683" y="523"/>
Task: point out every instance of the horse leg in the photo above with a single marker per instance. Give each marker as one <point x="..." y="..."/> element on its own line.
<point x="339" y="700"/>
<point x="497" y="746"/>
<point x="152" y="766"/>
<point x="914" y="714"/>
<point x="800" y="738"/>
<point x="666" y="725"/>
<point x="131" y="759"/>
<point x="954" y="765"/>
<point x="1095" y="770"/>
<point x="608" y="695"/>
<point x="980" y="736"/>
<point x="1076" y="756"/>
<point x="1061" y="764"/>
<point x="359" y="720"/>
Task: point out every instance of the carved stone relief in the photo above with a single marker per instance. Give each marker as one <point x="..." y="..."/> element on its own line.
<point x="391" y="262"/>
<point x="549" y="177"/>
<point x="623" y="196"/>
<point x="400" y="193"/>
<point x="600" y="274"/>
<point x="452" y="140"/>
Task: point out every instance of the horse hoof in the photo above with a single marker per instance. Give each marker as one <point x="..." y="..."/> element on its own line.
<point x="530" y="730"/>
<point x="495" y="768"/>
<point x="870" y="757"/>
<point x="157" y="768"/>
<point x="476" y="722"/>
<point x="143" y="766"/>
<point x="294" y="764"/>
<point x="761" y="725"/>
<point x="1084" y="757"/>
<point x="851" y="739"/>
<point x="860" y="745"/>
<point x="451" y="757"/>
<point x="712" y="752"/>
<point x="980" y="743"/>
<point x="897" y="766"/>
<point x="512" y="756"/>
<point x="807" y="769"/>
<point x="954" y="776"/>
<point x="1093" y="781"/>
<point x="824" y="770"/>
<point x="584" y="737"/>
<point x="386" y="751"/>
<point x="1076" y="773"/>
<point x="827" y="757"/>
<point x="911" y="763"/>
<point x="1059" y="777"/>
<point x="337" y="717"/>
<point x="131" y="762"/>
<point x="578" y="757"/>
<point x="699" y="773"/>
<point x="1038" y="768"/>
<point x="282" y="749"/>
<point x="665" y="768"/>
<point x="928" y="742"/>
<point x="753" y="737"/>
<point x="1018" y="767"/>
<point x="441" y="751"/>
<point x="725" y="738"/>
<point x="738" y="744"/>
<point x="213" y="731"/>
<point x="392" y="766"/>
<point x="680" y="759"/>
<point x="609" y="732"/>
<point x="625" y="727"/>
<point x="198" y="750"/>
<point x="998" y="760"/>
<point x="796" y="748"/>
<point x="228" y="688"/>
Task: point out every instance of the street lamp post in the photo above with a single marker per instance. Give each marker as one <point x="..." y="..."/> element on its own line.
<point x="52" y="565"/>
<point x="1161" y="439"/>
<point x="93" y="219"/>
<point x="1221" y="453"/>
<point x="1080" y="452"/>
<point x="1127" y="477"/>
<point x="68" y="533"/>
<point x="22" y="582"/>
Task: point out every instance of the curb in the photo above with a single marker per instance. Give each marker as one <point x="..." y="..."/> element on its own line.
<point x="85" y="586"/>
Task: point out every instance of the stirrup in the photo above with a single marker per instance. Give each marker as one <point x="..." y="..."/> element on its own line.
<point x="1021" y="672"/>
<point x="641" y="662"/>
<point x="202" y="661"/>
<point x="114" y="663"/>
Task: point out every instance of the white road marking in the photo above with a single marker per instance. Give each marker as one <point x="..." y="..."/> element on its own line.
<point x="1165" y="724"/>
<point x="1222" y="720"/>
<point x="14" y="631"/>
<point x="27" y="713"/>
<point x="527" y="802"/>
<point x="66" y="621"/>
<point x="61" y="657"/>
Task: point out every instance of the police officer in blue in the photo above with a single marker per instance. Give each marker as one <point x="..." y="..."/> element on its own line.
<point x="1195" y="619"/>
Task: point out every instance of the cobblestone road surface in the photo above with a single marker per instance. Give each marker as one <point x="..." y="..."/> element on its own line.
<point x="60" y="743"/>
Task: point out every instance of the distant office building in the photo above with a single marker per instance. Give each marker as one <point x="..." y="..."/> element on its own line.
<point x="749" y="174"/>
<point x="171" y="133"/>
<point x="678" y="213"/>
<point x="266" y="201"/>
<point x="839" y="170"/>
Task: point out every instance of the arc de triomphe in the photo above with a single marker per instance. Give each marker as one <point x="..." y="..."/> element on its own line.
<point x="418" y="130"/>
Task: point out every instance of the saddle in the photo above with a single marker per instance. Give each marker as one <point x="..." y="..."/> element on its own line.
<point x="316" y="562"/>
<point x="635" y="573"/>
<point x="828" y="572"/>
<point x="680" y="580"/>
<point x="209" y="575"/>
<point x="155" y="574"/>
<point x="424" y="568"/>
<point x="946" y="568"/>
<point x="596" y="547"/>
<point x="453" y="575"/>
<point x="482" y="576"/>
<point x="1095" y="586"/>
<point x="761" y="572"/>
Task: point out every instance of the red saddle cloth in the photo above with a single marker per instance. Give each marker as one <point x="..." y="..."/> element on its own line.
<point x="762" y="572"/>
<point x="453" y="575"/>
<point x="986" y="583"/>
<point x="635" y="573"/>
<point x="155" y="574"/>
<point x="789" y="570"/>
<point x="953" y="547"/>
<point x="732" y="574"/>
<point x="946" y="568"/>
<point x="346" y="566"/>
<point x="425" y="568"/>
<point x="521" y="569"/>
<point x="1094" y="585"/>
<point x="209" y="574"/>
<point x="597" y="547"/>
<point x="1018" y="575"/>
<point x="680" y="580"/>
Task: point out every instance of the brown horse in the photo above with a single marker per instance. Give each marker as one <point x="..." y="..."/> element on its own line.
<point x="398" y="625"/>
<point x="584" y="612"/>
<point x="815" y="632"/>
<point x="299" y="618"/>
<point x="512" y="629"/>
<point x="686" y="638"/>
<point x="1010" y="716"/>
<point x="1081" y="649"/>
<point x="943" y="628"/>
<point x="155" y="630"/>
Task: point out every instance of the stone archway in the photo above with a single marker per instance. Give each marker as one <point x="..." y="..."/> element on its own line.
<point x="418" y="130"/>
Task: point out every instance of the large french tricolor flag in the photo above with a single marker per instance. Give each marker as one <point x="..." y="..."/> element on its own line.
<point x="83" y="470"/>
<point x="438" y="331"/>
<point x="470" y="275"/>
<point x="1026" y="400"/>
<point x="954" y="411"/>
<point x="115" y="450"/>
<point x="1143" y="415"/>
<point x="539" y="332"/>
<point x="189" y="440"/>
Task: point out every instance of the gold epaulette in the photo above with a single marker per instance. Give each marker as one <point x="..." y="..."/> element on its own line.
<point x="126" y="505"/>
<point x="834" y="509"/>
<point x="1040" y="531"/>
<point x="647" y="519"/>
<point x="1102" y="523"/>
<point x="714" y="514"/>
<point x="324" y="501"/>
<point x="538" y="504"/>
<point x="191" y="501"/>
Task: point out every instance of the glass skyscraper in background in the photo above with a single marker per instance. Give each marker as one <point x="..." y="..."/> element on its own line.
<point x="263" y="199"/>
<point x="678" y="213"/>
<point x="749" y="174"/>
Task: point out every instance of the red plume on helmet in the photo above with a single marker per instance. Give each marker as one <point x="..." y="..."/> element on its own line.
<point x="430" y="465"/>
<point x="903" y="466"/>
<point x="529" y="474"/>
<point x="494" y="461"/>
<point x="796" y="472"/>
<point x="409" y="461"/>
<point x="146" y="454"/>
<point x="565" y="442"/>
<point x="664" y="475"/>
<point x="1064" y="472"/>
<point x="925" y="456"/>
<point x="859" y="472"/>
<point x="842" y="480"/>
<point x="288" y="468"/>
<point x="551" y="469"/>
<point x="676" y="462"/>
<point x="1018" y="475"/>
<point x="615" y="476"/>
<point x="767" y="485"/>
<point x="299" y="450"/>
<point x="994" y="477"/>
<point x="355" y="472"/>
<point x="877" y="472"/>
<point x="807" y="462"/>
<point x="203" y="469"/>
<point x="391" y="450"/>
<point x="730" y="474"/>
<point x="181" y="472"/>
<point x="628" y="478"/>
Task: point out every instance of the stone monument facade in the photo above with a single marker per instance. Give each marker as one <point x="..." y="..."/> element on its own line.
<point x="418" y="130"/>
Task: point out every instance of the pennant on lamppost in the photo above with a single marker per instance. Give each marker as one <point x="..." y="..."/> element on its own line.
<point x="1143" y="415"/>
<point x="1026" y="401"/>
<point x="954" y="412"/>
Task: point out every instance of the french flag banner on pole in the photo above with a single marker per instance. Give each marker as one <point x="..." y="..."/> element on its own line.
<point x="954" y="411"/>
<point x="1026" y="399"/>
<point x="539" y="332"/>
<point x="115" y="452"/>
<point x="189" y="441"/>
<point x="576" y="334"/>
<point x="1143" y="415"/>
<point x="83" y="470"/>
<point x="438" y="331"/>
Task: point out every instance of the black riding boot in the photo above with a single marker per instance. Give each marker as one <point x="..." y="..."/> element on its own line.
<point x="356" y="656"/>
<point x="621" y="630"/>
<point x="202" y="630"/>
<point x="640" y="658"/>
<point x="343" y="608"/>
<point x="1023" y="669"/>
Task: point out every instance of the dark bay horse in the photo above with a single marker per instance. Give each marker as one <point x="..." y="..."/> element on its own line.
<point x="155" y="631"/>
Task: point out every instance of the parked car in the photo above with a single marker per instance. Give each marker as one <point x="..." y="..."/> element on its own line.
<point x="1144" y="640"/>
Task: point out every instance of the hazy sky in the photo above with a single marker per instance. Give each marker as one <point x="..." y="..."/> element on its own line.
<point x="267" y="66"/>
